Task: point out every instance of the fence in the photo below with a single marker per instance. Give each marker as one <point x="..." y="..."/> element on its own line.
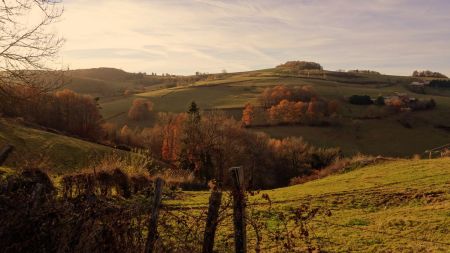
<point x="85" y="218"/>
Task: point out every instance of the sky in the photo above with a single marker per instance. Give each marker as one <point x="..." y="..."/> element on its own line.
<point x="185" y="36"/>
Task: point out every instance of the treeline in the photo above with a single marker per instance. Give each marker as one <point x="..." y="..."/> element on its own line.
<point x="395" y="103"/>
<point x="64" y="110"/>
<point x="290" y="105"/>
<point x="440" y="83"/>
<point x="301" y="65"/>
<point x="207" y="144"/>
<point x="364" y="71"/>
<point x="428" y="73"/>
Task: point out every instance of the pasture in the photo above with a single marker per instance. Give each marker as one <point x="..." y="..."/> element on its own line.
<point x="395" y="206"/>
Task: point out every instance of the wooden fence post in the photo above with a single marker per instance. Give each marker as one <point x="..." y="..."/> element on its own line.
<point x="211" y="223"/>
<point x="153" y="224"/>
<point x="240" y="233"/>
<point x="4" y="153"/>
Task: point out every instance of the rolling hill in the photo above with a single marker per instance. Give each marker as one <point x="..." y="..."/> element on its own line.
<point x="386" y="136"/>
<point x="109" y="82"/>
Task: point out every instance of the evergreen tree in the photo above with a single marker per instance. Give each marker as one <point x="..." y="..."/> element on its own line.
<point x="194" y="112"/>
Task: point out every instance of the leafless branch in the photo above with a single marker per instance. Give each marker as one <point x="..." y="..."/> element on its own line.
<point x="28" y="48"/>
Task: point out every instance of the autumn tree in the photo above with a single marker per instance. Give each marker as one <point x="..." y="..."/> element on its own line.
<point x="333" y="107"/>
<point x="273" y="96"/>
<point x="141" y="109"/>
<point x="171" y="134"/>
<point x="79" y="114"/>
<point x="248" y="115"/>
<point x="126" y="135"/>
<point x="287" y="112"/>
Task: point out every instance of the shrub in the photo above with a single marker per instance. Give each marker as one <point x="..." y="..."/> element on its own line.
<point x="360" y="100"/>
<point x="379" y="100"/>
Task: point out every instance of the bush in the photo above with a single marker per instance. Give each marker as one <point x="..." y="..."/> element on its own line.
<point x="360" y="100"/>
<point x="321" y="157"/>
<point x="380" y="100"/>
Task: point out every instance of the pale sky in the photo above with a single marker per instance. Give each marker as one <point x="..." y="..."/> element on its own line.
<point x="184" y="36"/>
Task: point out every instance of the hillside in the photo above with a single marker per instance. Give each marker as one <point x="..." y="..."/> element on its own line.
<point x="61" y="153"/>
<point x="399" y="206"/>
<point x="111" y="82"/>
<point x="386" y="136"/>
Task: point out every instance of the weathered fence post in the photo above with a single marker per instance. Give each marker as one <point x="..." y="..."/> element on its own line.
<point x="240" y="233"/>
<point x="4" y="153"/>
<point x="153" y="224"/>
<point x="211" y="223"/>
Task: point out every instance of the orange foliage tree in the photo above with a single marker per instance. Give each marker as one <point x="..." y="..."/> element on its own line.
<point x="287" y="112"/>
<point x="172" y="133"/>
<point x="141" y="109"/>
<point x="273" y="96"/>
<point x="248" y="115"/>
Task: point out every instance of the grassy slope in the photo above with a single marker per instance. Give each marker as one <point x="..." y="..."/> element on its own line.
<point x="64" y="153"/>
<point x="107" y="82"/>
<point x="376" y="208"/>
<point x="385" y="137"/>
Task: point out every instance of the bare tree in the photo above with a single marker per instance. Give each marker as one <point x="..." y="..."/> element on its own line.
<point x="28" y="46"/>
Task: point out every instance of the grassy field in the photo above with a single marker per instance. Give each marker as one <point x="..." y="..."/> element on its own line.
<point x="397" y="206"/>
<point x="379" y="137"/>
<point x="60" y="153"/>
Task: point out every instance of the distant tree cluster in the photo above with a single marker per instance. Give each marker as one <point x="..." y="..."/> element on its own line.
<point x="141" y="109"/>
<point x="273" y="96"/>
<point x="440" y="83"/>
<point x="395" y="103"/>
<point x="289" y="105"/>
<point x="301" y="65"/>
<point x="64" y="110"/>
<point x="398" y="103"/>
<point x="367" y="71"/>
<point x="428" y="73"/>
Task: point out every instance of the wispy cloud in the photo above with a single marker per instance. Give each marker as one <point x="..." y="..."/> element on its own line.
<point x="181" y="36"/>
